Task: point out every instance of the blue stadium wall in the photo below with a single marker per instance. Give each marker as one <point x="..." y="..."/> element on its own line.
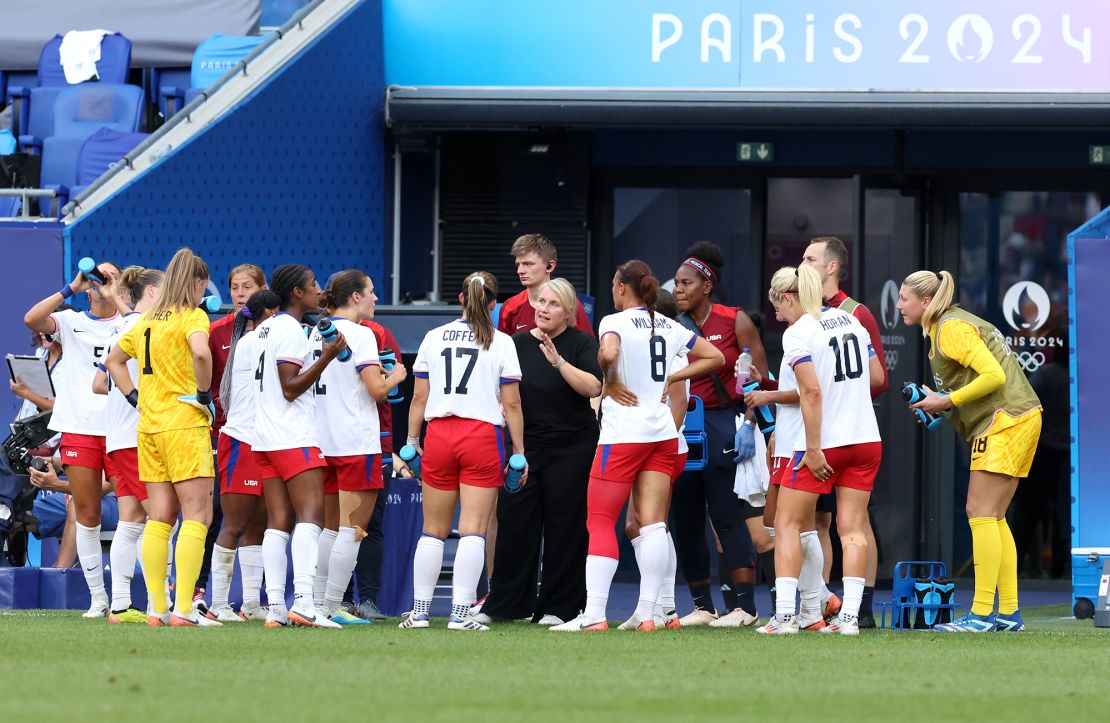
<point x="293" y="174"/>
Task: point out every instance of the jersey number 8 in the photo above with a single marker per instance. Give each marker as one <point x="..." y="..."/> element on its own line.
<point x="657" y="348"/>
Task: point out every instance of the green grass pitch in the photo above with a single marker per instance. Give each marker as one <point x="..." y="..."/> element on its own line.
<point x="59" y="667"/>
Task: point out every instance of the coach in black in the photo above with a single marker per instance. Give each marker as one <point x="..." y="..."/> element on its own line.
<point x="560" y="374"/>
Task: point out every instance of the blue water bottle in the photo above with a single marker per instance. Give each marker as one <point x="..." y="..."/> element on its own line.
<point x="389" y="360"/>
<point x="328" y="332"/>
<point x="764" y="416"/>
<point x="411" y="458"/>
<point x="517" y="465"/>
<point x="913" y="394"/>
<point x="88" y="267"/>
<point x="211" y="304"/>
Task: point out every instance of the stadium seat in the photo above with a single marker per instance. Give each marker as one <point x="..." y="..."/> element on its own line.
<point x="212" y="59"/>
<point x="169" y="79"/>
<point x="99" y="152"/>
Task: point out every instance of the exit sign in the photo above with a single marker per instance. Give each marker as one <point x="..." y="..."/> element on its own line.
<point x="1099" y="155"/>
<point x="758" y="152"/>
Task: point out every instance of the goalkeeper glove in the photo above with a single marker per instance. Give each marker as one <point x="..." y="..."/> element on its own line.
<point x="202" y="401"/>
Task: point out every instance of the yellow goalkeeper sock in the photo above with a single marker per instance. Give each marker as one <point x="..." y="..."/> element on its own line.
<point x="156" y="552"/>
<point x="986" y="546"/>
<point x="188" y="557"/>
<point x="1007" y="571"/>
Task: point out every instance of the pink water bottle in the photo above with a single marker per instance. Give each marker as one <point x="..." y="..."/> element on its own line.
<point x="745" y="364"/>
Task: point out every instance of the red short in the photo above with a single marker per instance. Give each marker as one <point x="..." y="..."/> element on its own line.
<point x="679" y="466"/>
<point x="463" y="451"/>
<point x="285" y="464"/>
<point x="780" y="468"/>
<point x="853" y="466"/>
<point x="123" y="464"/>
<point x="83" y="450"/>
<point x="238" y="468"/>
<point x="623" y="462"/>
<point x="353" y="473"/>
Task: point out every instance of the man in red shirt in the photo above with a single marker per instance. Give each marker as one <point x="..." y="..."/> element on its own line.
<point x="829" y="256"/>
<point x="536" y="258"/>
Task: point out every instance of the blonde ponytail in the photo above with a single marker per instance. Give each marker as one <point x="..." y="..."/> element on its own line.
<point x="479" y="289"/>
<point x="810" y="294"/>
<point x="940" y="289"/>
<point x="177" y="285"/>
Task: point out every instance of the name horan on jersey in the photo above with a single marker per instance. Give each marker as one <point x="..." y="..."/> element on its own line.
<point x="836" y="322"/>
<point x="660" y="323"/>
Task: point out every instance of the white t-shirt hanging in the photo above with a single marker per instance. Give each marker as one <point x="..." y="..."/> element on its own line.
<point x="279" y="424"/>
<point x="240" y="407"/>
<point x="840" y="350"/>
<point x="643" y="366"/>
<point x="123" y="419"/>
<point x="346" y="414"/>
<point x="788" y="417"/>
<point x="464" y="380"/>
<point x="85" y="340"/>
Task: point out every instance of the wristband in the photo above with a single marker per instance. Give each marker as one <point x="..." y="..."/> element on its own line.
<point x="133" y="398"/>
<point x="101" y="367"/>
<point x="413" y="441"/>
<point x="204" y="397"/>
<point x="559" y="363"/>
<point x="66" y="291"/>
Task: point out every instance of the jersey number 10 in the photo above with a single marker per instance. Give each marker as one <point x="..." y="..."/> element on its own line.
<point x="851" y="366"/>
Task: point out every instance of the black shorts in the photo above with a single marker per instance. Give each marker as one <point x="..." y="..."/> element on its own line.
<point x="827" y="503"/>
<point x="749" y="511"/>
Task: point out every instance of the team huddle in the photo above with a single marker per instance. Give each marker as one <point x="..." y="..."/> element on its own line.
<point x="303" y="444"/>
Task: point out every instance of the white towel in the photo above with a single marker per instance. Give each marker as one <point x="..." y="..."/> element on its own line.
<point x="753" y="476"/>
<point x="79" y="53"/>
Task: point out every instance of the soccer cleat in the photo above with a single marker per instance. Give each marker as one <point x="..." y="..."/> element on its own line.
<point x="368" y="610"/>
<point x="130" y="615"/>
<point x="1011" y="623"/>
<point x="156" y="620"/>
<point x="698" y="617"/>
<point x="867" y="621"/>
<point x="842" y="624"/>
<point x="308" y="617"/>
<point x="775" y="626"/>
<point x="582" y="624"/>
<point x="635" y="623"/>
<point x="550" y="619"/>
<point x="969" y="623"/>
<point x="467" y="623"/>
<point x="414" y="620"/>
<point x="477" y="606"/>
<point x="832" y="607"/>
<point x="258" y="613"/>
<point x="667" y="621"/>
<point x="193" y="620"/>
<point x="98" y="608"/>
<point x="345" y="618"/>
<point x="277" y="620"/>
<point x="811" y="621"/>
<point x="199" y="604"/>
<point x="224" y="614"/>
<point x="738" y="618"/>
<point x="481" y="618"/>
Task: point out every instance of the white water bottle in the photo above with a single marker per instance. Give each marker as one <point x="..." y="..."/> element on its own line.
<point x="745" y="364"/>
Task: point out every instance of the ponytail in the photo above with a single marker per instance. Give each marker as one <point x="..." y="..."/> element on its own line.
<point x="810" y="294"/>
<point x="177" y="287"/>
<point x="645" y="287"/>
<point x="341" y="287"/>
<point x="252" y="311"/>
<point x="939" y="288"/>
<point x="479" y="289"/>
<point x="136" y="280"/>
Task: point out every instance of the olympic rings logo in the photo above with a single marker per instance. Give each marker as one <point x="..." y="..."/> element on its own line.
<point x="891" y="359"/>
<point x="1030" y="361"/>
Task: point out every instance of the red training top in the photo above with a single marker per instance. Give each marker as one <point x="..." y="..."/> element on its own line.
<point x="863" y="314"/>
<point x="386" y="342"/>
<point x="219" y="343"/>
<point x="518" y="314"/>
<point x="719" y="330"/>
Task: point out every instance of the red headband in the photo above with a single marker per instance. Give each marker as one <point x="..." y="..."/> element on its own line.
<point x="702" y="268"/>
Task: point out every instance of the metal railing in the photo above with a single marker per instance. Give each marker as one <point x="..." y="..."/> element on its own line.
<point x="25" y="194"/>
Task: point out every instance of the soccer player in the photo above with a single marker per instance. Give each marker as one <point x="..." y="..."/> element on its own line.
<point x="835" y="367"/>
<point x="737" y="523"/>
<point x="462" y="369"/>
<point x="170" y="343"/>
<point x="286" y="445"/>
<point x="536" y="259"/>
<point x="79" y="413"/>
<point x="829" y="256"/>
<point x="140" y="287"/>
<point x="240" y="475"/>
<point x="347" y="425"/>
<point x="988" y="401"/>
<point x="638" y="446"/>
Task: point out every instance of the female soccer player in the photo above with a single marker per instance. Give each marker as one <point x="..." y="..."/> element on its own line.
<point x="840" y="447"/>
<point x="286" y="446"/>
<point x="240" y="476"/>
<point x="79" y="413"/>
<point x="989" y="402"/>
<point x="140" y="287"/>
<point x="463" y="369"/>
<point x="347" y="425"/>
<point x="243" y="281"/>
<point x="737" y="523"/>
<point x="170" y="342"/>
<point x="638" y="446"/>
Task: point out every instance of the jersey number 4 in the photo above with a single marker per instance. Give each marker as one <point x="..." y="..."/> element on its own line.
<point x="459" y="353"/>
<point x="850" y="366"/>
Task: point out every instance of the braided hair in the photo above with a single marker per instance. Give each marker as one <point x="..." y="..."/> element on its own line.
<point x="251" y="312"/>
<point x="286" y="278"/>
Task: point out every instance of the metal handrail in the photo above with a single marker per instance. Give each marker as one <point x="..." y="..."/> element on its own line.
<point x="26" y="193"/>
<point x="183" y="115"/>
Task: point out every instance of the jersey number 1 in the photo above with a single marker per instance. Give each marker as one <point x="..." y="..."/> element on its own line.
<point x="147" y="368"/>
<point x="851" y="366"/>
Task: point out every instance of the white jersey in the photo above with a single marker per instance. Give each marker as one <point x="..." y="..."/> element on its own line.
<point x="346" y="414"/>
<point x="279" y="424"/>
<point x="788" y="417"/>
<point x="679" y="363"/>
<point x="464" y="380"/>
<point x="84" y="339"/>
<point x="840" y="350"/>
<point x="123" y="419"/>
<point x="240" y="406"/>
<point x="645" y="362"/>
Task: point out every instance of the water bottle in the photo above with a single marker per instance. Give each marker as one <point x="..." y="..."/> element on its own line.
<point x="389" y="360"/>
<point x="745" y="364"/>
<point x="517" y="463"/>
<point x="411" y="458"/>
<point x="913" y="394"/>
<point x="764" y="416"/>
<point x="87" y="267"/>
<point x="328" y="332"/>
<point x="211" y="304"/>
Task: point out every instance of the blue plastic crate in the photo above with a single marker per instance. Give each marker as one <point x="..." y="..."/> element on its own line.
<point x="1086" y="574"/>
<point x="903" y="606"/>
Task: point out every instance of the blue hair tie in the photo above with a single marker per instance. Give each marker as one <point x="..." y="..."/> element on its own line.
<point x="245" y="311"/>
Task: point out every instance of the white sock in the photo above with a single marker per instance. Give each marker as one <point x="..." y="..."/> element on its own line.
<point x="810" y="581"/>
<point x="123" y="554"/>
<point x="223" y="567"/>
<point x="344" y="555"/>
<point x="636" y="542"/>
<point x="303" y="551"/>
<point x="666" y="605"/>
<point x="853" y="596"/>
<point x="599" y="576"/>
<point x="250" y="565"/>
<point x="426" y="565"/>
<point x="470" y="558"/>
<point x="92" y="562"/>
<point x="323" y="559"/>
<point x="276" y="562"/>
<point x="786" y="589"/>
<point x="653" y="565"/>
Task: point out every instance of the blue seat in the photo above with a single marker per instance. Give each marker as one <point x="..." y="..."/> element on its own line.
<point x="212" y="59"/>
<point x="9" y="206"/>
<point x="168" y="79"/>
<point x="99" y="152"/>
